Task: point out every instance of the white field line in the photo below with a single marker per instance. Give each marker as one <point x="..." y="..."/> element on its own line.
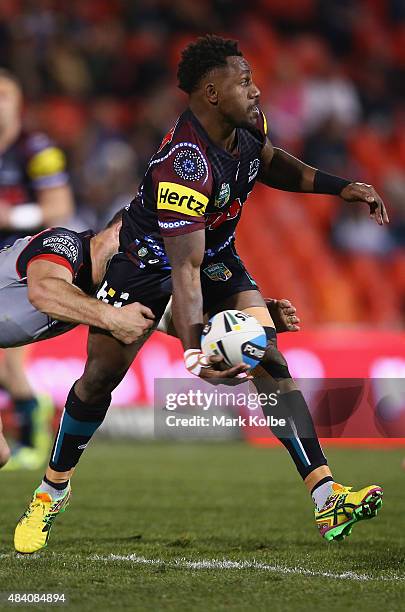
<point x="216" y="564"/>
<point x="228" y="564"/>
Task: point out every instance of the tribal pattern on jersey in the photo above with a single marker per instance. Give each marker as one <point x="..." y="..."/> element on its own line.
<point x="191" y="184"/>
<point x="189" y="165"/>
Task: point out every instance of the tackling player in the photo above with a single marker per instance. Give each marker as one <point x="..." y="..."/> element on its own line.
<point x="34" y="193"/>
<point x="46" y="284"/>
<point x="178" y="236"/>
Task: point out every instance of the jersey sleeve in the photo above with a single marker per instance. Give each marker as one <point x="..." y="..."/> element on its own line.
<point x="182" y="182"/>
<point x="57" y="245"/>
<point x="46" y="163"/>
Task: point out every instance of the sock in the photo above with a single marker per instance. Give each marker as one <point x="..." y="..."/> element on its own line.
<point x="298" y="435"/>
<point x="78" y="423"/>
<point x="25" y="409"/>
<point x="55" y="489"/>
<point x="321" y="491"/>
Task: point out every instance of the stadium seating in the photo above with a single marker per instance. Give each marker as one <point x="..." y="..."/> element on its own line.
<point x="287" y="245"/>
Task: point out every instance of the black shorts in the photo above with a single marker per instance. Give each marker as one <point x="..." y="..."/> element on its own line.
<point x="221" y="276"/>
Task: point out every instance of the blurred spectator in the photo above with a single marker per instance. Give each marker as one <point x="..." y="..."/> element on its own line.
<point x="355" y="232"/>
<point x="326" y="148"/>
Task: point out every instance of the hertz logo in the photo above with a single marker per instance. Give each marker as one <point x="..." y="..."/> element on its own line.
<point x="172" y="196"/>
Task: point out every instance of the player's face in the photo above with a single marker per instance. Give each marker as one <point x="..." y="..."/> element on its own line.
<point x="10" y="101"/>
<point x="238" y="96"/>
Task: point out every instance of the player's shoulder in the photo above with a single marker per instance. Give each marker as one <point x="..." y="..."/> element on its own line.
<point x="44" y="159"/>
<point x="184" y="133"/>
<point x="62" y="236"/>
<point x="182" y="156"/>
<point x="56" y="244"/>
<point x="185" y="147"/>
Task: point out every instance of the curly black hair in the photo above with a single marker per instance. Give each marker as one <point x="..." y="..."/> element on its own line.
<point x="201" y="56"/>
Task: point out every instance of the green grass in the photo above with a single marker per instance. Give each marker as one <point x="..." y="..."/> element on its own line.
<point x="168" y="502"/>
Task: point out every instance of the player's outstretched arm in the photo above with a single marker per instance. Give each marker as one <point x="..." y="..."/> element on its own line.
<point x="283" y="171"/>
<point x="51" y="291"/>
<point x="186" y="253"/>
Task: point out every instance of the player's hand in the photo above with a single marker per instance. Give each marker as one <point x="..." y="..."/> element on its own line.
<point x="361" y="192"/>
<point x="219" y="372"/>
<point x="283" y="314"/>
<point x="129" y="323"/>
<point x="214" y="369"/>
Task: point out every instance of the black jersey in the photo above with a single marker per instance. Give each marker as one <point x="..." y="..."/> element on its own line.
<point x="191" y="184"/>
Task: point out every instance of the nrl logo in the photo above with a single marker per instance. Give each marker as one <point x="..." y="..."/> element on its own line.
<point x="253" y="169"/>
<point x="218" y="272"/>
<point x="223" y="195"/>
<point x="142" y="252"/>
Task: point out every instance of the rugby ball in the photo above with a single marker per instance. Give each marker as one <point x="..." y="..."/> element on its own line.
<point x="235" y="336"/>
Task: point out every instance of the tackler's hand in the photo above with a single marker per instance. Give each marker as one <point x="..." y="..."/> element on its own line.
<point x="129" y="323"/>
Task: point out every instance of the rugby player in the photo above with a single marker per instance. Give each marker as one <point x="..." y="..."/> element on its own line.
<point x="46" y="284"/>
<point x="178" y="237"/>
<point x="34" y="194"/>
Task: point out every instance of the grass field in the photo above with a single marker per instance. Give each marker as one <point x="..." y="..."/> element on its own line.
<point x="158" y="526"/>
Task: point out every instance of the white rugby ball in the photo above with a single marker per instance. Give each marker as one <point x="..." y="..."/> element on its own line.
<point x="235" y="336"/>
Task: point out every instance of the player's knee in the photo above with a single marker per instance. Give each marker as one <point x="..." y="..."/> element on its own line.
<point x="273" y="361"/>
<point x="99" y="379"/>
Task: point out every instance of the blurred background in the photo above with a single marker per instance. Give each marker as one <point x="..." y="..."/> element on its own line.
<point x="99" y="76"/>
